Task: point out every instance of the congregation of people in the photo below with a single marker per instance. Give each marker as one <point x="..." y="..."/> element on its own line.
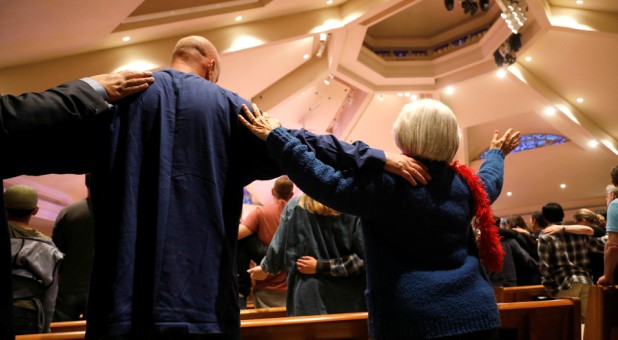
<point x="158" y="249"/>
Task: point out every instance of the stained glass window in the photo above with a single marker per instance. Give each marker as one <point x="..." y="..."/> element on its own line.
<point x="246" y="198"/>
<point x="535" y="140"/>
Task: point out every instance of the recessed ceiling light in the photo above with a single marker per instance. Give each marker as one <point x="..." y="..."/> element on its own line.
<point x="449" y="90"/>
<point x="579" y="2"/>
<point x="528" y="58"/>
<point x="238" y="18"/>
<point x="509" y="194"/>
<point x="593" y="143"/>
<point x="501" y="73"/>
<point x="127" y="38"/>
<point x="562" y="186"/>
<point x="306" y="56"/>
<point x="580" y="100"/>
<point x="413" y="97"/>
<point x="399" y="94"/>
<point x="329" y="2"/>
<point x="550" y="111"/>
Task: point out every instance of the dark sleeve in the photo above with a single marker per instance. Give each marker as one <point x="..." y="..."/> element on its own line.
<point x="50" y="132"/>
<point x="598" y="231"/>
<point x="339" y="154"/>
<point x="74" y="100"/>
<point x="359" y="193"/>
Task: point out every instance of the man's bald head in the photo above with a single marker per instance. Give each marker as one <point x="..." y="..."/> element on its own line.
<point x="196" y="54"/>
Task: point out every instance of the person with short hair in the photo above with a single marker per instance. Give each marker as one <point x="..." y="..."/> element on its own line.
<point x="35" y="261"/>
<point x="611" y="246"/>
<point x="421" y="252"/>
<point x="564" y="262"/>
<point x="264" y="221"/>
<point x="167" y="189"/>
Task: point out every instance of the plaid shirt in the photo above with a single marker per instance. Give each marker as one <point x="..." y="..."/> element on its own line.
<point x="563" y="259"/>
<point x="343" y="266"/>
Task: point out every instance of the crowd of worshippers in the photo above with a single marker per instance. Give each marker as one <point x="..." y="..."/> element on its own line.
<point x="294" y="252"/>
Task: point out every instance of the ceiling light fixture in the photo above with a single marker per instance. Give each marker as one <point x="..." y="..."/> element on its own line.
<point x="449" y="90"/>
<point x="238" y="18"/>
<point x="580" y="100"/>
<point x="329" y="2"/>
<point x="514" y="13"/>
<point x="127" y="38"/>
<point x="321" y="45"/>
<point x="468" y="6"/>
<point x="593" y="143"/>
<point x="562" y="186"/>
<point x="528" y="58"/>
<point x="550" y="111"/>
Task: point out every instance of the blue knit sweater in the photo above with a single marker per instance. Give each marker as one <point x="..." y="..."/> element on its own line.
<point x="424" y="279"/>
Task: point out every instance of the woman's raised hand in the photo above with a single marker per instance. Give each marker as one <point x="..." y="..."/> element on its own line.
<point x="507" y="143"/>
<point x="260" y="124"/>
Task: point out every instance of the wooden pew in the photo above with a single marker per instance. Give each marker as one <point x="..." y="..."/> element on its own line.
<point x="529" y="320"/>
<point x="602" y="314"/>
<point x="245" y="314"/>
<point x="81" y="335"/>
<point x="263" y="313"/>
<point x="68" y="326"/>
<point x="520" y="293"/>
<point x="332" y="326"/>
<point x="558" y="319"/>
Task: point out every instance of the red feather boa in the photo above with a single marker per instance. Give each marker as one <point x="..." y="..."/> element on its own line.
<point x="488" y="240"/>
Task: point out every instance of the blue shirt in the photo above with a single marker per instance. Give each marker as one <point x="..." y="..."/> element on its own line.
<point x="167" y="199"/>
<point x="424" y="278"/>
<point x="612" y="217"/>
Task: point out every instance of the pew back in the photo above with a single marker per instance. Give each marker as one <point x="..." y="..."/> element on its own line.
<point x="531" y="320"/>
<point x="520" y="293"/>
<point x="541" y="320"/>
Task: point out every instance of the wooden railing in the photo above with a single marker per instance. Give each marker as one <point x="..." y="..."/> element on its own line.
<point x="544" y="320"/>
<point x="520" y="293"/>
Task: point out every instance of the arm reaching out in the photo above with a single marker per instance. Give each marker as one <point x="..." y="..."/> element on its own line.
<point x="125" y="83"/>
<point x="409" y="168"/>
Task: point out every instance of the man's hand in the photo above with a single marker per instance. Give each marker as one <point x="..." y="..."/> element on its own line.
<point x="307" y="265"/>
<point x="257" y="273"/>
<point x="406" y="167"/>
<point x="125" y="83"/>
<point x="603" y="281"/>
<point x="553" y="229"/>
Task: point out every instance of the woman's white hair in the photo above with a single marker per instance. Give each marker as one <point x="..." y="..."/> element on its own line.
<point x="427" y="129"/>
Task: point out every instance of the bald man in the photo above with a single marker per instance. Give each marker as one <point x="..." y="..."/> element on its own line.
<point x="167" y="199"/>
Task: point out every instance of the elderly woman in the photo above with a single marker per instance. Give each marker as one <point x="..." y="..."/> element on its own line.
<point x="424" y="273"/>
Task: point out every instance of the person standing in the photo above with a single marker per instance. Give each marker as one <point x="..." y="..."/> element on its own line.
<point x="322" y="252"/>
<point x="423" y="233"/>
<point x="563" y="258"/>
<point x="73" y="235"/>
<point x="25" y="118"/>
<point x="167" y="199"/>
<point x="264" y="221"/>
<point x="35" y="261"/>
<point x="611" y="247"/>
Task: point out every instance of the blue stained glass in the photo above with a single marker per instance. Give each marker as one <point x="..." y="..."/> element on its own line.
<point x="534" y="141"/>
<point x="246" y="196"/>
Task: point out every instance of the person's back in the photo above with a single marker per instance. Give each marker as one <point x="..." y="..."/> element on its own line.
<point x="323" y="237"/>
<point x="176" y="163"/>
<point x="263" y="221"/>
<point x="35" y="263"/>
<point x="73" y="235"/>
